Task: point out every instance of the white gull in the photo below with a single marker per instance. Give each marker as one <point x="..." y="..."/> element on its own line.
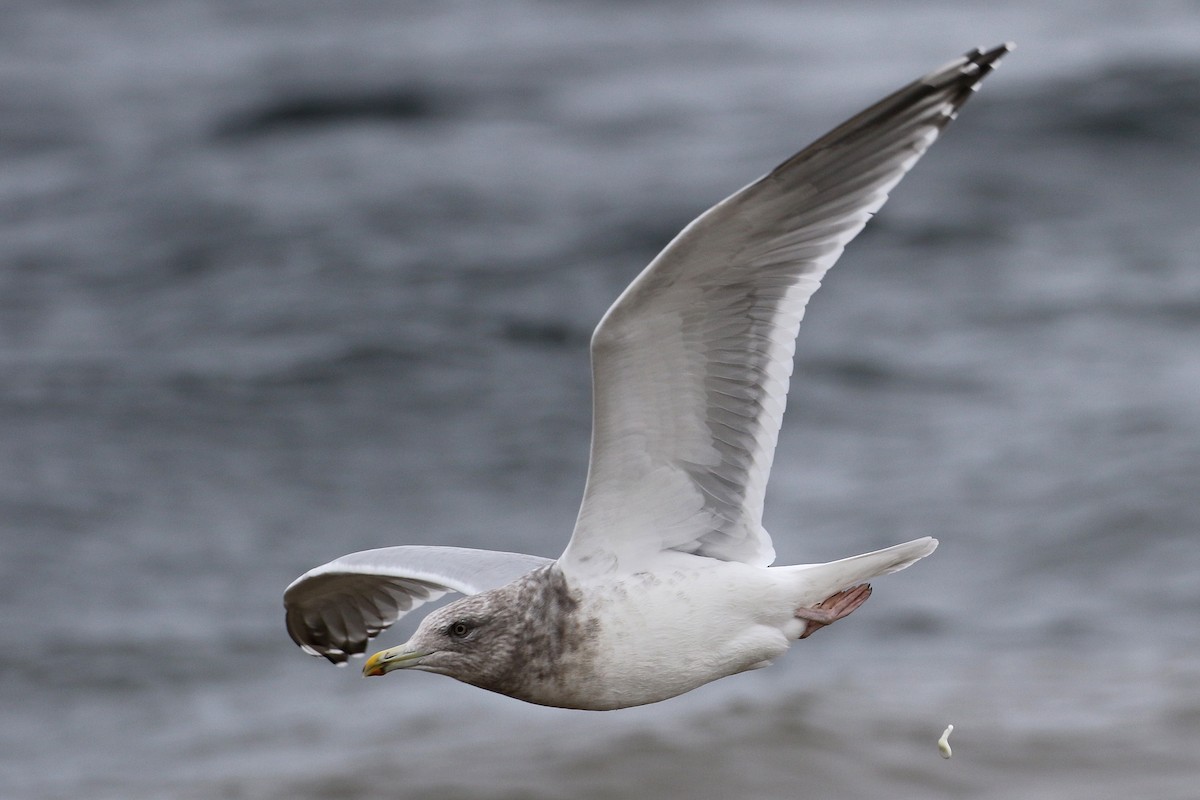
<point x="666" y="583"/>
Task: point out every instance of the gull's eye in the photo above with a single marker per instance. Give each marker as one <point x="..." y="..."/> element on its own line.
<point x="459" y="629"/>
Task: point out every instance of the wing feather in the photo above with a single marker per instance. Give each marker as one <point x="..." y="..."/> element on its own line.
<point x="335" y="609"/>
<point x="691" y="364"/>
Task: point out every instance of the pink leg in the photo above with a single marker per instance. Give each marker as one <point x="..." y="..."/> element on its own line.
<point x="833" y="608"/>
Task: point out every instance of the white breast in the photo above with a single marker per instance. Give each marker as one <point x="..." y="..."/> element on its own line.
<point x="666" y="632"/>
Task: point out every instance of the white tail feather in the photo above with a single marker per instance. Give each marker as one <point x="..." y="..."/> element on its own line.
<point x="819" y="581"/>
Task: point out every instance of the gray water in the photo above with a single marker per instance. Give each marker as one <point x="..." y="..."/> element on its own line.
<point x="280" y="281"/>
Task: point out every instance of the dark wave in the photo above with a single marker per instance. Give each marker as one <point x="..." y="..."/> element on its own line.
<point x="1138" y="102"/>
<point x="1135" y="102"/>
<point x="545" y="333"/>
<point x="313" y="108"/>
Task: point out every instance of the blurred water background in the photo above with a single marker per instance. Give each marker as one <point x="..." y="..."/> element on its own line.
<point x="284" y="280"/>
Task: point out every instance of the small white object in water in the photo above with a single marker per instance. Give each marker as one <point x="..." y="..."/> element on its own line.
<point x="944" y="742"/>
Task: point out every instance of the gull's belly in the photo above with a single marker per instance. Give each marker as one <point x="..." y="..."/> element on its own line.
<point x="664" y="633"/>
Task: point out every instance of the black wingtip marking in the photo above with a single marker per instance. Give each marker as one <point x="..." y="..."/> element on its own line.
<point x="978" y="64"/>
<point x="985" y="61"/>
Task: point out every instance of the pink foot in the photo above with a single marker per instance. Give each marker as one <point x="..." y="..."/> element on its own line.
<point x="833" y="608"/>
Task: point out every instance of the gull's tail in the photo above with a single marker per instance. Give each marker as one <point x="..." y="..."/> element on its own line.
<point x="819" y="581"/>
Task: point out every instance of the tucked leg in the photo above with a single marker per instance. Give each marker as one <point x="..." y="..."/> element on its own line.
<point x="833" y="608"/>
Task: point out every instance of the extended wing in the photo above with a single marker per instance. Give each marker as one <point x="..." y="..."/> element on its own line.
<point x="691" y="364"/>
<point x="334" y="609"/>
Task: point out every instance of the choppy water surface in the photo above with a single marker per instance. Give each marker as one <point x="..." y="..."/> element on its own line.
<point x="284" y="280"/>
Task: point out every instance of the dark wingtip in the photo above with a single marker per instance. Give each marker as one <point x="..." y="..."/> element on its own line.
<point x="986" y="60"/>
<point x="995" y="54"/>
<point x="972" y="68"/>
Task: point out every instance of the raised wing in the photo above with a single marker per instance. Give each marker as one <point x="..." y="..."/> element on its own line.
<point x="334" y="609"/>
<point x="691" y="365"/>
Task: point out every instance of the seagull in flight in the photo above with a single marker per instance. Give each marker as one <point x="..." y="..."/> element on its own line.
<point x="666" y="583"/>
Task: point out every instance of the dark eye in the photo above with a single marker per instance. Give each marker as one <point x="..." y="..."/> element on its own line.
<point x="459" y="629"/>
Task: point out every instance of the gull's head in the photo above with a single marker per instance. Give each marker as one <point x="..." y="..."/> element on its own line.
<point x="527" y="640"/>
<point x="464" y="640"/>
